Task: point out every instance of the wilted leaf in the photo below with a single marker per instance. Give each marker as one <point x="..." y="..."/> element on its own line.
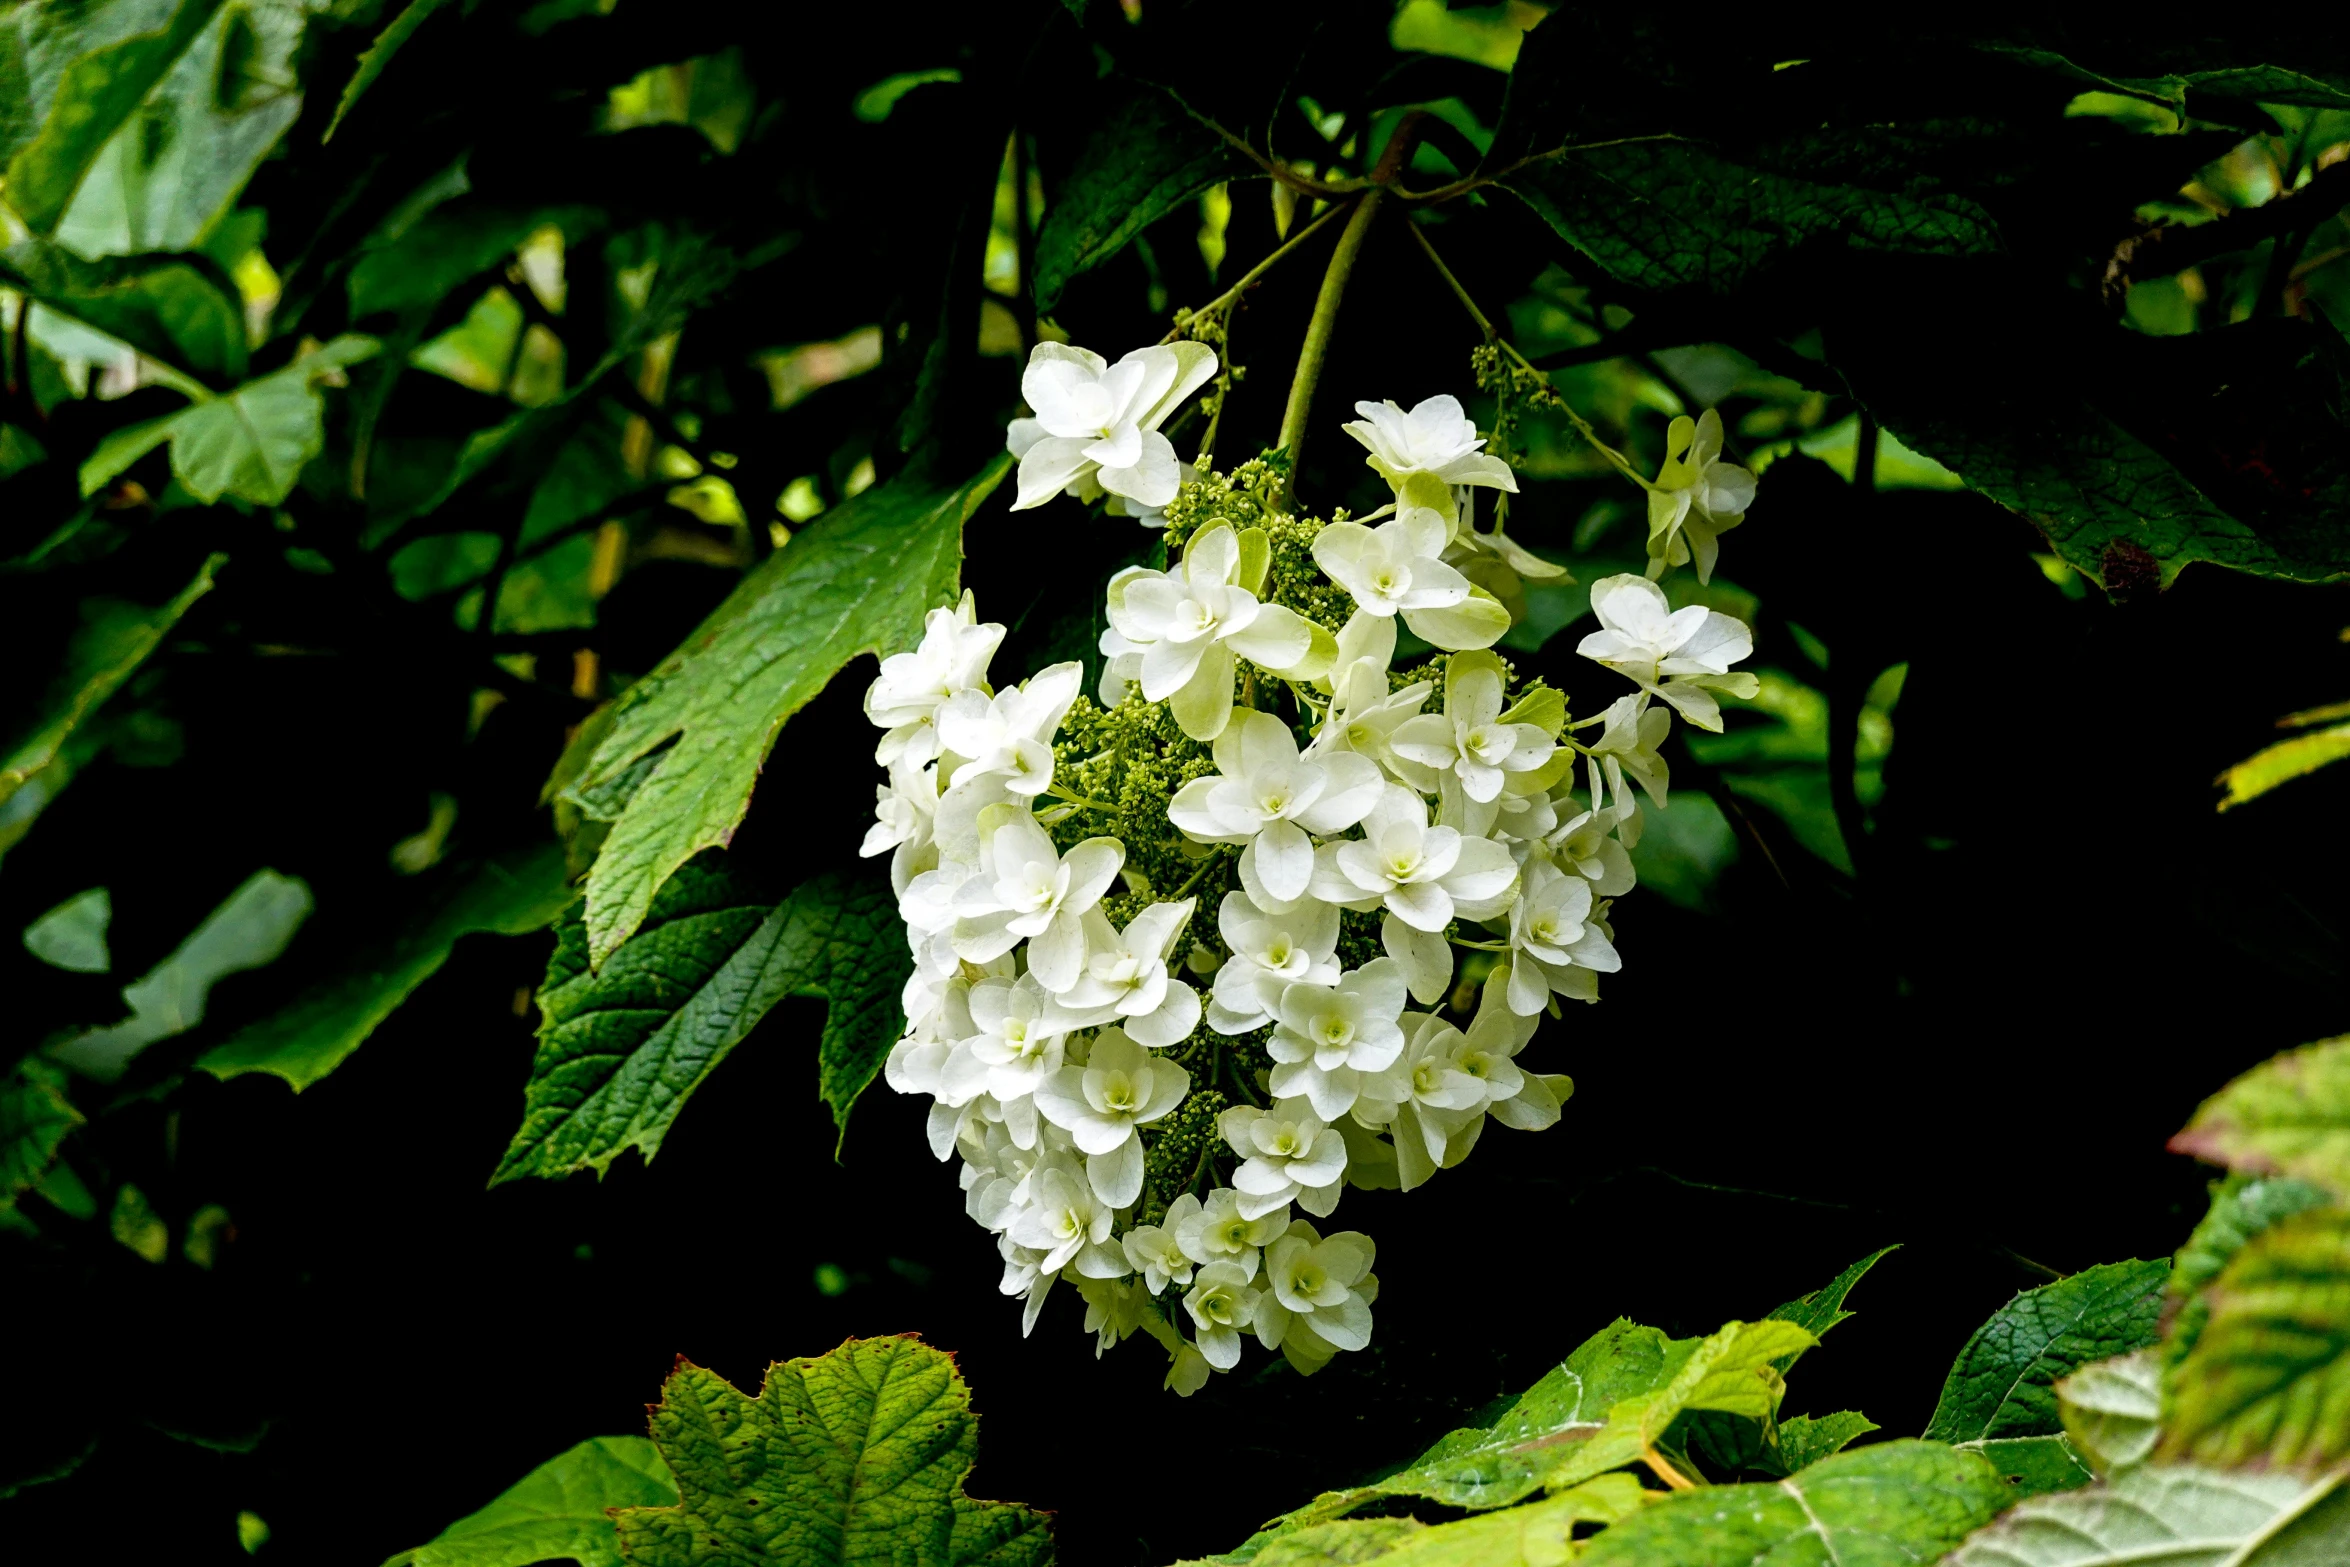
<point x="620" y="1050"/>
<point x="557" y="1512"/>
<point x="1889" y="1505"/>
<point x="313" y="1033"/>
<point x="856" y="1456"/>
<point x="2190" y="1517"/>
<point x="859" y="580"/>
<point x="2268" y="1380"/>
<point x="2288" y="1116"/>
<point x="2112" y="1409"/>
<point x="251" y="442"/>
<point x="2003" y="1383"/>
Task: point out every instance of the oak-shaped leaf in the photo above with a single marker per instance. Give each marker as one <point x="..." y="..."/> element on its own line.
<point x="855" y="1456"/>
<point x="858" y="580"/>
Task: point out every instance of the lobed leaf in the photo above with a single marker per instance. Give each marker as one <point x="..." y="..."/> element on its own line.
<point x="1148" y="158"/>
<point x="621" y="1050"/>
<point x="1667" y="215"/>
<point x="2003" y="1383"/>
<point x="251" y="442"/>
<point x="560" y="1511"/>
<point x="2288" y="1116"/>
<point x="2112" y="1409"/>
<point x="2171" y="1517"/>
<point x="103" y="654"/>
<point x="858" y="580"/>
<point x="2268" y="1380"/>
<point x="1891" y="1505"/>
<point x="855" y="1456"/>
<point x="316" y="1031"/>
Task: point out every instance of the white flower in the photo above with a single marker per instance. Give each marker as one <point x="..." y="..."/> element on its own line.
<point x="1221" y="1303"/>
<point x="1069" y="1223"/>
<point x="1628" y="744"/>
<point x="912" y="686"/>
<point x="1156" y="1250"/>
<point x="1150" y="516"/>
<point x="1265" y="795"/>
<point x="1587" y="847"/>
<point x="1126" y="975"/>
<point x="1423" y="874"/>
<point x="1009" y="735"/>
<point x="1188" y="624"/>
<point x="1222" y="1231"/>
<point x="1100" y="422"/>
<point x="1697" y="496"/>
<point x="1396" y="568"/>
<point x="1423" y="455"/>
<point x="1114" y="1308"/>
<point x="1269" y="953"/>
<point x="1024" y="887"/>
<point x="1311" y="1278"/>
<point x="1328" y="1036"/>
<point x="1018" y="1040"/>
<point x="1099" y="1105"/>
<point x="1553" y="943"/>
<point x="1422" y="1098"/>
<point x="1646" y="640"/>
<point x="1187" y="1371"/>
<point x="1365" y="714"/>
<point x="1522" y="1100"/>
<point x="1470" y="740"/>
<point x="1287" y="1154"/>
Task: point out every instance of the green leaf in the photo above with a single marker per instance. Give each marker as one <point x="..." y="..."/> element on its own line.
<point x="73" y="934"/>
<point x="1539" y="1534"/>
<point x="2268" y="1380"/>
<point x="2288" y="1116"/>
<point x="1609" y="1402"/>
<point x="1890" y="1505"/>
<point x="621" y="1050"/>
<point x="87" y="68"/>
<point x="252" y="442"/>
<point x="2003" y="1383"/>
<point x="2034" y="1465"/>
<point x="855" y="1456"/>
<point x="2172" y="1517"/>
<point x="453" y="243"/>
<point x="168" y="310"/>
<point x="379" y="54"/>
<point x="2112" y="1409"/>
<point x="136" y="1225"/>
<point x="858" y="580"/>
<point x="1673" y="215"/>
<point x="1147" y="159"/>
<point x="2241" y="1207"/>
<point x="35" y="1117"/>
<point x="173" y="157"/>
<point x="557" y="1512"/>
<point x="317" y="1030"/>
<point x="115" y="640"/>
<point x="2281" y="763"/>
<point x="248" y="931"/>
<point x="1804" y="1440"/>
<point x="1823" y="1308"/>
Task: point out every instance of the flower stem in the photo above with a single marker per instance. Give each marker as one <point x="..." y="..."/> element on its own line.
<point x="1317" y="344"/>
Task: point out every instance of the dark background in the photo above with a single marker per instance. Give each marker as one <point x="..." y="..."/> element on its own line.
<point x="2053" y="951"/>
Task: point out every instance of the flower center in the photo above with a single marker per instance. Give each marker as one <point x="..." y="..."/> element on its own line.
<point x="1308" y="1280"/>
<point x="1332" y="1029"/>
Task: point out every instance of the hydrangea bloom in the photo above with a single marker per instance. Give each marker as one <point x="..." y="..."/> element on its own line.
<point x="1142" y="1101"/>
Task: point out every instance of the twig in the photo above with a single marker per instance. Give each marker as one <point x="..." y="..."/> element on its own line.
<point x="1253" y="275"/>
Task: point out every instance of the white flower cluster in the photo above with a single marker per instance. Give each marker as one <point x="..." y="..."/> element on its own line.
<point x="1115" y="1127"/>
